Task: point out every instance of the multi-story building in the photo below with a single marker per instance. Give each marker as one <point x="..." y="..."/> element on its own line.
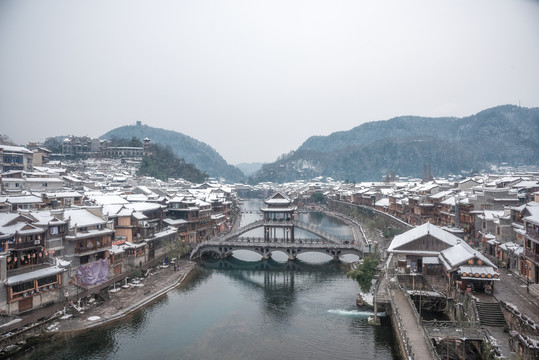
<point x="185" y="208"/>
<point x="87" y="244"/>
<point x="123" y="152"/>
<point x="27" y="281"/>
<point x="494" y="198"/>
<point x="13" y="158"/>
<point x="530" y="261"/>
<point x="74" y="145"/>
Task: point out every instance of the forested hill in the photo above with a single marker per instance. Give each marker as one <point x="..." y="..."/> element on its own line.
<point x="203" y="156"/>
<point x="405" y="144"/>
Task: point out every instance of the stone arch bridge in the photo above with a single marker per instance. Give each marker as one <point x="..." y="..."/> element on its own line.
<point x="326" y="243"/>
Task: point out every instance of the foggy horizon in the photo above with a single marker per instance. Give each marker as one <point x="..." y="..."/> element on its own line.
<point x="255" y="80"/>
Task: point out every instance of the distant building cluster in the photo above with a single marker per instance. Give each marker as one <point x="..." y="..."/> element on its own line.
<point x="497" y="214"/>
<point x="72" y="225"/>
<point x="80" y="223"/>
<point x="84" y="145"/>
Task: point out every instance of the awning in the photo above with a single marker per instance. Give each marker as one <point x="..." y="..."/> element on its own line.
<point x="478" y="273"/>
<point x="33" y="275"/>
<point x="130" y="245"/>
<point x="430" y="260"/>
<point x="175" y="222"/>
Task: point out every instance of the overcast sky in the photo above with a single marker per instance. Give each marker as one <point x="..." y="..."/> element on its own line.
<point x="255" y="79"/>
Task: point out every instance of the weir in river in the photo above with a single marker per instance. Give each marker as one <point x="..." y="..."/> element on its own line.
<point x="244" y="308"/>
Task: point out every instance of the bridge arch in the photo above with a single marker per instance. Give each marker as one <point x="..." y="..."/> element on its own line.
<point x="298" y="224"/>
<point x="265" y="249"/>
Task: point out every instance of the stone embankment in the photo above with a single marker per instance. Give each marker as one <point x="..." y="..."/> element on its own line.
<point x="107" y="307"/>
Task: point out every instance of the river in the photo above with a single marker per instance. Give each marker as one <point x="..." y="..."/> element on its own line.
<point x="244" y="308"/>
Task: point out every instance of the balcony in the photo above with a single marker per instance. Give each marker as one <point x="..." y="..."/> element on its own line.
<point x="91" y="248"/>
<point x="26" y="245"/>
<point x="530" y="254"/>
<point x="532" y="233"/>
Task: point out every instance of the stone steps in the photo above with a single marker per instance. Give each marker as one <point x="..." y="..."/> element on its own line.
<point x="490" y="314"/>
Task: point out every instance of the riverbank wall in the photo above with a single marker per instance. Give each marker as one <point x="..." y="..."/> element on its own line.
<point x="395" y="222"/>
<point x="140" y="304"/>
<point x="115" y="308"/>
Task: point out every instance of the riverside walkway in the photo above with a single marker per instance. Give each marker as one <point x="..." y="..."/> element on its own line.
<point x="119" y="305"/>
<point x="416" y="344"/>
<point x="357" y="230"/>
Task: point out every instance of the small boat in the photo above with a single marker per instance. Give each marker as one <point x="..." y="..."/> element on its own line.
<point x="359" y="300"/>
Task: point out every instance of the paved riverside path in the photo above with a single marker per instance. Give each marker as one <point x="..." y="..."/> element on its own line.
<point x="512" y="289"/>
<point x="357" y="232"/>
<point x="129" y="300"/>
<point x="415" y="333"/>
<point x="119" y="305"/>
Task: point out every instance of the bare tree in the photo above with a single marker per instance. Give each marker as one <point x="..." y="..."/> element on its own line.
<point x="5" y="140"/>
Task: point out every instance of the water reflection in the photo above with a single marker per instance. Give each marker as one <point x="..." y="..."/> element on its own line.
<point x="242" y="308"/>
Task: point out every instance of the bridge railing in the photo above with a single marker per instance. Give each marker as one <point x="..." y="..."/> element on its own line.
<point x="354" y="222"/>
<point x="409" y="352"/>
<point x="319" y="244"/>
<point x="431" y="347"/>
<point x="297" y="241"/>
<point x="237" y="245"/>
<point x="316" y="230"/>
<point x="292" y="223"/>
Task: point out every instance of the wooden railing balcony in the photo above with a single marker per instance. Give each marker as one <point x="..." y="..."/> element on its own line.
<point x="532" y="233"/>
<point x="530" y="254"/>
<point x="82" y="250"/>
<point x="26" y="244"/>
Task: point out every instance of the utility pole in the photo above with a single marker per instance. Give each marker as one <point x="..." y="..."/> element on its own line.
<point x="527" y="267"/>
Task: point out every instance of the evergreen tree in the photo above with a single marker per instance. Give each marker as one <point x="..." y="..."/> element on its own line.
<point x="163" y="164"/>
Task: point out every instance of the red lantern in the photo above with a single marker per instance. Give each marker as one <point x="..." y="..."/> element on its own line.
<point x="40" y="254"/>
<point x="15" y="259"/>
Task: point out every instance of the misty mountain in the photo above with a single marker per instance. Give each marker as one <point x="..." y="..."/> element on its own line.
<point x="405" y="144"/>
<point x="203" y="156"/>
<point x="249" y="168"/>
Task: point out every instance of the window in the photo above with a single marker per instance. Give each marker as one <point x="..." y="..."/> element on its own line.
<point x="53" y="279"/>
<point x="54" y="230"/>
<point x="29" y="285"/>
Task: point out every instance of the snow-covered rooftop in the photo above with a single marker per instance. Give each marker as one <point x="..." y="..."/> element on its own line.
<point x="419" y="232"/>
<point x="82" y="217"/>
